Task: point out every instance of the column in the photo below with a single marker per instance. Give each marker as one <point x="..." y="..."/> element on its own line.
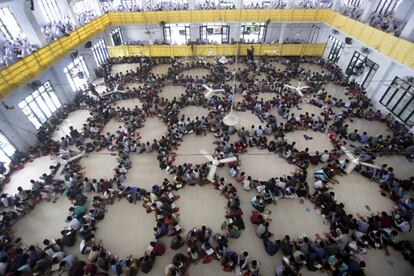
<point x="194" y="31"/>
<point x="66" y="11"/>
<point x="404" y="15"/>
<point x="235" y="31"/>
<point x="97" y="6"/>
<point x="238" y="4"/>
<point x="282" y="33"/>
<point x="27" y="22"/>
<point x="192" y="4"/>
<point x="408" y="31"/>
<point x="144" y="5"/>
<point x="369" y="8"/>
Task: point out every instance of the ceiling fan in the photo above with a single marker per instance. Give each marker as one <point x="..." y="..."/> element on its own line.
<point x="63" y="163"/>
<point x="210" y="91"/>
<point x="298" y="89"/>
<point x="116" y="90"/>
<point x="355" y="161"/>
<point x="215" y="162"/>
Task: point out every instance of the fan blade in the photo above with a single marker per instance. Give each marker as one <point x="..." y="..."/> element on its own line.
<point x="228" y="160"/>
<point x="59" y="171"/>
<point x="207" y="155"/>
<point x="304" y="87"/>
<point x="299" y="92"/>
<point x="212" y="173"/>
<point x="209" y="94"/>
<point x="206" y="87"/>
<point x="78" y="156"/>
<point x="351" y="166"/>
<point x="347" y="153"/>
<point x="289" y="86"/>
<point x="370" y="165"/>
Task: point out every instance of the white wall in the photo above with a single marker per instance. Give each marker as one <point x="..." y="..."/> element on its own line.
<point x="138" y="32"/>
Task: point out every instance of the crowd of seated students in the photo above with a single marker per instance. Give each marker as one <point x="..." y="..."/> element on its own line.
<point x="269" y="135"/>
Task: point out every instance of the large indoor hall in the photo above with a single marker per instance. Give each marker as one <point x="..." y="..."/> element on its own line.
<point x="206" y="137"/>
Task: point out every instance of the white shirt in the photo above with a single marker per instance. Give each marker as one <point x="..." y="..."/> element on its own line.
<point x="74" y="224"/>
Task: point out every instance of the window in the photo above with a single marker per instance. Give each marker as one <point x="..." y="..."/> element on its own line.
<point x="82" y="7"/>
<point x="40" y="105"/>
<point x="336" y="49"/>
<point x="9" y="28"/>
<point x="7" y="149"/>
<point x="214" y="33"/>
<point x="354" y="3"/>
<point x="253" y="32"/>
<point x="77" y="74"/>
<point x="177" y="33"/>
<point x="371" y="68"/>
<point x="363" y="68"/>
<point x="314" y="34"/>
<point x="50" y="10"/>
<point x="398" y="99"/>
<point x="131" y="5"/>
<point x="356" y="65"/>
<point x="99" y="52"/>
<point x="116" y="37"/>
<point x="387" y="6"/>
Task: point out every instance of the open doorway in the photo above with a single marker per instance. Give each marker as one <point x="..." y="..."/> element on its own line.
<point x="177" y="34"/>
<point x="77" y="74"/>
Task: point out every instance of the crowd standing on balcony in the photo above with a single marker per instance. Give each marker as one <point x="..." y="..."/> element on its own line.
<point x="57" y="29"/>
<point x="351" y="11"/>
<point x="12" y="50"/>
<point x="168" y="6"/>
<point x="386" y="22"/>
<point x="86" y="17"/>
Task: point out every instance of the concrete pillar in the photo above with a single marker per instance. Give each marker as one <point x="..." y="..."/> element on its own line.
<point x="239" y="4"/>
<point x="66" y="11"/>
<point x="194" y="31"/>
<point x="235" y="31"/>
<point x="282" y="33"/>
<point x="192" y="4"/>
<point x="28" y="23"/>
<point x="408" y="31"/>
<point x="97" y="6"/>
<point x="144" y="5"/>
<point x="369" y="8"/>
<point x="404" y="15"/>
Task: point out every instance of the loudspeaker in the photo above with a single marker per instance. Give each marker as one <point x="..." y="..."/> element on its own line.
<point x="74" y="55"/>
<point x="348" y="40"/>
<point x="34" y="85"/>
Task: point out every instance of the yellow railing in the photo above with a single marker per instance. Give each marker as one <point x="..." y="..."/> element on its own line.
<point x="34" y="64"/>
<point x="216" y="50"/>
<point x="201" y="16"/>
